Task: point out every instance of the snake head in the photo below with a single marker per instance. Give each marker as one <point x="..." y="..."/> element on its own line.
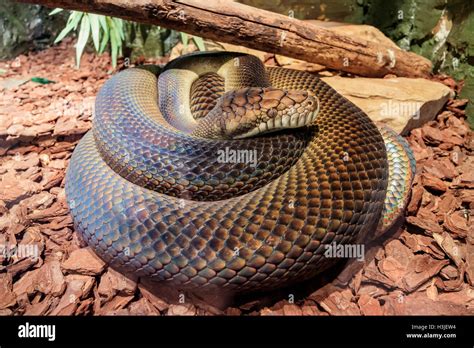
<point x="253" y="111"/>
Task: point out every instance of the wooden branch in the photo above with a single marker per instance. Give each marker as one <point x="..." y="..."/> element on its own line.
<point x="239" y="24"/>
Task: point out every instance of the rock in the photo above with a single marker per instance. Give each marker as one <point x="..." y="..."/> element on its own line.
<point x="32" y="28"/>
<point x="84" y="261"/>
<point x="401" y="103"/>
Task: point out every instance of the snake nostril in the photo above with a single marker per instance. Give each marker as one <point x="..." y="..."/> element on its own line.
<point x="272" y="112"/>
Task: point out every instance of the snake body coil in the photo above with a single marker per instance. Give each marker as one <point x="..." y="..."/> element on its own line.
<point x="150" y="193"/>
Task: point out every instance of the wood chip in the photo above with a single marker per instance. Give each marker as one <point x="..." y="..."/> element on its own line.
<point x="369" y="305"/>
<point x="142" y="307"/>
<point x="84" y="261"/>
<point x="7" y="296"/>
<point x="446" y="242"/>
<point x="182" y="310"/>
<point x="335" y="301"/>
<point x="157" y="302"/>
<point x="112" y="283"/>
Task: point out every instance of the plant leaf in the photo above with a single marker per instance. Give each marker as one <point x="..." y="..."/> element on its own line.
<point x="41" y="80"/>
<point x="119" y="26"/>
<point x="77" y="17"/>
<point x="55" y="11"/>
<point x="95" y="28"/>
<point x="105" y="41"/>
<point x="71" y="24"/>
<point x="82" y="39"/>
<point x="184" y="39"/>
<point x="113" y="42"/>
<point x="199" y="43"/>
<point x="103" y="23"/>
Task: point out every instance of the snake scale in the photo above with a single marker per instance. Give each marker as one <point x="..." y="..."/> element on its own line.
<point x="148" y="190"/>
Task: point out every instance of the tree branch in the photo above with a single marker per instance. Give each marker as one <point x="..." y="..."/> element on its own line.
<point x="239" y="24"/>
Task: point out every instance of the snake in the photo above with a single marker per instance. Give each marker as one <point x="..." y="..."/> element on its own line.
<point x="218" y="172"/>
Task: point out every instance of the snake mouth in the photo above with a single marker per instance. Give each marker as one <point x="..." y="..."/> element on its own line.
<point x="282" y="122"/>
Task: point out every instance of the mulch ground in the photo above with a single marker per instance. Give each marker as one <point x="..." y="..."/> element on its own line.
<point x="427" y="267"/>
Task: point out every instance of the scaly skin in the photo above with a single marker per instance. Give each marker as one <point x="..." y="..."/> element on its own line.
<point x="217" y="225"/>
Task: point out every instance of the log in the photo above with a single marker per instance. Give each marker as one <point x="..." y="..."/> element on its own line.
<point x="239" y="24"/>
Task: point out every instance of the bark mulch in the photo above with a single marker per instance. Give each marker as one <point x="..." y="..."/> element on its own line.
<point x="427" y="267"/>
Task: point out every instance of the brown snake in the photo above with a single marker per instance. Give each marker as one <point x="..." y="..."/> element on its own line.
<point x="159" y="188"/>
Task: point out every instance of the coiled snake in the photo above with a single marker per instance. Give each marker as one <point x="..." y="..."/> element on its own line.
<point x="222" y="173"/>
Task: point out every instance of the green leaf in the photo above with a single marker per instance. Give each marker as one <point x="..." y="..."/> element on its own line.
<point x="119" y="26"/>
<point x="95" y="27"/>
<point x="82" y="39"/>
<point x="118" y="35"/>
<point x="77" y="17"/>
<point x="41" y="80"/>
<point x="55" y="11"/>
<point x="113" y="42"/>
<point x="184" y="39"/>
<point x="143" y="31"/>
<point x="105" y="40"/>
<point x="103" y="23"/>
<point x="199" y="43"/>
<point x="71" y="24"/>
